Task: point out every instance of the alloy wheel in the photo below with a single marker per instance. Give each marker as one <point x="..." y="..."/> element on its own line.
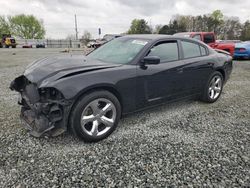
<point x="98" y="117"/>
<point x="215" y="87"/>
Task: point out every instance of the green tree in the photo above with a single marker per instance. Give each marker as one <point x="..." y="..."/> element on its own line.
<point x="157" y="29"/>
<point x="181" y="23"/>
<point x="176" y="27"/>
<point x="27" y="26"/>
<point x="245" y="33"/>
<point x="231" y="29"/>
<point x="4" y="26"/>
<point x="139" y="26"/>
<point x="216" y="19"/>
<point x="164" y="30"/>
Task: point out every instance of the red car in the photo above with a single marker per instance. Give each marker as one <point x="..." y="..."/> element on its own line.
<point x="210" y="39"/>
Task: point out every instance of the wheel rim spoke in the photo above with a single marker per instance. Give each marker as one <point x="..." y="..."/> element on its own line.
<point x="217" y="89"/>
<point x="89" y="118"/>
<point x="94" y="129"/>
<point x="106" y="108"/>
<point x="217" y="81"/>
<point x="107" y="121"/>
<point x="212" y="94"/>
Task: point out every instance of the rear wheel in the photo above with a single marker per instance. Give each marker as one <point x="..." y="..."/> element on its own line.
<point x="95" y="116"/>
<point x="213" y="88"/>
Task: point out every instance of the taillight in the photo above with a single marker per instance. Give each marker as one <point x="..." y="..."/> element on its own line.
<point x="242" y="49"/>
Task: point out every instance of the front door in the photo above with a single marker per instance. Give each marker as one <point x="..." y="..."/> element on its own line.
<point x="156" y="83"/>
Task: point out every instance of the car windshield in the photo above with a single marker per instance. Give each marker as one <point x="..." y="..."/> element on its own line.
<point x="120" y="50"/>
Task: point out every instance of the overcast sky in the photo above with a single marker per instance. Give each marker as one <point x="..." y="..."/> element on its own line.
<point x="114" y="16"/>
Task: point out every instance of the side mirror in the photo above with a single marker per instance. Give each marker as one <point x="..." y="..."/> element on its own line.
<point x="151" y="60"/>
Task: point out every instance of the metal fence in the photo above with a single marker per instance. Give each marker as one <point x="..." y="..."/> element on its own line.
<point x="50" y="43"/>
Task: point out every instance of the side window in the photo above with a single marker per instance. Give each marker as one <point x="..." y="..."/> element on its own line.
<point x="166" y="51"/>
<point x="208" y="38"/>
<point x="190" y="49"/>
<point x="198" y="37"/>
<point x="203" y="51"/>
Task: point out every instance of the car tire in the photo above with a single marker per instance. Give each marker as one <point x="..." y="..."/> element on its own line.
<point x="95" y="116"/>
<point x="213" y="88"/>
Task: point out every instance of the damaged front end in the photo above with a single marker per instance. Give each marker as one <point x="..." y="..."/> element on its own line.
<point x="44" y="111"/>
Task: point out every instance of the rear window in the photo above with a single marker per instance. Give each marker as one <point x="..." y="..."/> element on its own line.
<point x="198" y="37"/>
<point x="208" y="38"/>
<point x="203" y="51"/>
<point x="190" y="49"/>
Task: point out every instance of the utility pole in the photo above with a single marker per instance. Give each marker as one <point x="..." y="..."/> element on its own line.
<point x="76" y="28"/>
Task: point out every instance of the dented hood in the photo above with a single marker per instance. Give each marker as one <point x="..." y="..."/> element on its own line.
<point x="62" y="66"/>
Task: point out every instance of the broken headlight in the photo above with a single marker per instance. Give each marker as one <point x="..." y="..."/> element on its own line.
<point x="50" y="93"/>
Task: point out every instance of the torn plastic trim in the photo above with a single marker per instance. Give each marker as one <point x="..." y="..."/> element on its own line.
<point x="45" y="118"/>
<point x="19" y="83"/>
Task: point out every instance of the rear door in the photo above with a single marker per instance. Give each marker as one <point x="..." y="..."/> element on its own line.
<point x="197" y="66"/>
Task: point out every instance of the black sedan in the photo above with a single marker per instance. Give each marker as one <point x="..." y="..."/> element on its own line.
<point x="88" y="94"/>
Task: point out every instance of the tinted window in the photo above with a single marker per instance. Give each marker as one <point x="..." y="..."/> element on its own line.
<point x="209" y="38"/>
<point x="198" y="37"/>
<point x="203" y="51"/>
<point x="190" y="49"/>
<point x="167" y="51"/>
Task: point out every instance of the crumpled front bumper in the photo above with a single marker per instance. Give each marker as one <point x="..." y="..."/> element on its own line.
<point x="35" y="124"/>
<point x="40" y="124"/>
<point x="42" y="117"/>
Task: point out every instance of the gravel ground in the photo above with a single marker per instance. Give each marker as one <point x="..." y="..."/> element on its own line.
<point x="188" y="144"/>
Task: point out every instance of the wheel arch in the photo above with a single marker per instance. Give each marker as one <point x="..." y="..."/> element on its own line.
<point x="86" y="91"/>
<point x="222" y="72"/>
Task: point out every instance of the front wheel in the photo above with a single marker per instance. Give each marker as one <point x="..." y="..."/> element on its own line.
<point x="95" y="116"/>
<point x="213" y="88"/>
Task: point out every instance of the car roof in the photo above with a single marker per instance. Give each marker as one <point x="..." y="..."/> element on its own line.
<point x="242" y="44"/>
<point x="149" y="36"/>
<point x="155" y="37"/>
<point x="192" y="33"/>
